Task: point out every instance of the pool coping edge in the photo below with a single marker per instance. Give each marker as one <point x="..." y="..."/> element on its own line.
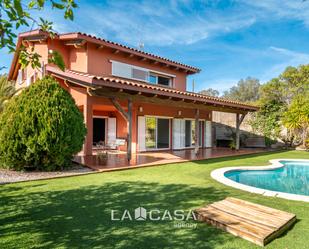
<point x="218" y="175"/>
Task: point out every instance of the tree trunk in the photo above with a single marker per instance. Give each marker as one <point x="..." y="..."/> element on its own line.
<point x="305" y="136"/>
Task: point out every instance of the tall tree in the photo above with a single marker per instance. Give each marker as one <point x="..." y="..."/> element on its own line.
<point x="246" y="90"/>
<point x="17" y="14"/>
<point x="210" y="92"/>
<point x="267" y="121"/>
<point x="280" y="102"/>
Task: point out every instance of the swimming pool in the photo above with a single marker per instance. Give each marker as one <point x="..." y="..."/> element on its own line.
<point x="285" y="178"/>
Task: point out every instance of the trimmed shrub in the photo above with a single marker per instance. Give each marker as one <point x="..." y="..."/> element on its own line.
<point x="41" y="128"/>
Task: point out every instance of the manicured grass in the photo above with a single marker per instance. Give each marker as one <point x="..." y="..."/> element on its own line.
<point x="75" y="212"/>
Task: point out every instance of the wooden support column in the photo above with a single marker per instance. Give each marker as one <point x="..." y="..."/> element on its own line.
<point x="88" y="119"/>
<point x="128" y="117"/>
<point x="197" y="131"/>
<point x="239" y="119"/>
<point x="129" y="127"/>
<point x="123" y="113"/>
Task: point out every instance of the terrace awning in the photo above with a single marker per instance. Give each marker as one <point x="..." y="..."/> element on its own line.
<point x="109" y="86"/>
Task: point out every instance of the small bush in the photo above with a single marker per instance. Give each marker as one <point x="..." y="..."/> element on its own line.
<point x="41" y="128"/>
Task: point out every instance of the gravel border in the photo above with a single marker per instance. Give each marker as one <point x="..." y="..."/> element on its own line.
<point x="10" y="176"/>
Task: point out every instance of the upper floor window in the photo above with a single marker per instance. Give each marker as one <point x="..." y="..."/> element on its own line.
<point x="153" y="79"/>
<point x="22" y="75"/>
<point x="160" y="80"/>
<point x="129" y="71"/>
<point x="138" y="73"/>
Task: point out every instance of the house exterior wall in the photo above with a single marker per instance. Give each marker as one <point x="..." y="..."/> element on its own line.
<point x="78" y="59"/>
<point x="99" y="63"/>
<point x="103" y="107"/>
<point x="42" y="50"/>
<point x="90" y="59"/>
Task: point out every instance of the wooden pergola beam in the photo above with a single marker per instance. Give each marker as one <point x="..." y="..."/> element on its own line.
<point x="128" y="117"/>
<point x="119" y="108"/>
<point x="169" y="101"/>
<point x="102" y="88"/>
<point x="36" y="38"/>
<point x="79" y="43"/>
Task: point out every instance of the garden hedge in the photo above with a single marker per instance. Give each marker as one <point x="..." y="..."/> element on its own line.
<point x="41" y="128"/>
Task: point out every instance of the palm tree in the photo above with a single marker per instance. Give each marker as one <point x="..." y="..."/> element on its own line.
<point x="297" y="116"/>
<point x="7" y="90"/>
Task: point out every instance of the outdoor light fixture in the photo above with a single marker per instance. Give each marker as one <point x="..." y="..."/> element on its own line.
<point x="140" y="108"/>
<point x="179" y="113"/>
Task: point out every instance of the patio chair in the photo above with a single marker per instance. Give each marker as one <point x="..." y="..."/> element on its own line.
<point x="114" y="144"/>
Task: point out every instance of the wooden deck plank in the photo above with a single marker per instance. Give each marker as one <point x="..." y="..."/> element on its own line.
<point x="275" y="220"/>
<point x="258" y="220"/>
<point x="253" y="222"/>
<point x="234" y="222"/>
<point x="278" y="213"/>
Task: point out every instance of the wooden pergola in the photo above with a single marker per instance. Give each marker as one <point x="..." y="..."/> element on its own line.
<point x="116" y="89"/>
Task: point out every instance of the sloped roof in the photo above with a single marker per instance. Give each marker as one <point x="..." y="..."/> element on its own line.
<point x="100" y="41"/>
<point x="91" y="38"/>
<point x="117" y="82"/>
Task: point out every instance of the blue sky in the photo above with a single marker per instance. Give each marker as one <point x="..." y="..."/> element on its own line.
<point x="228" y="40"/>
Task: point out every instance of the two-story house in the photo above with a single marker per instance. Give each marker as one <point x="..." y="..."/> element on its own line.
<point x="126" y="93"/>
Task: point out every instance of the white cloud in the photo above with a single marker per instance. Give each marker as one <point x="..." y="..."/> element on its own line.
<point x="171" y="22"/>
<point x="220" y="84"/>
<point x="287" y="9"/>
<point x="289" y="58"/>
<point x="181" y="22"/>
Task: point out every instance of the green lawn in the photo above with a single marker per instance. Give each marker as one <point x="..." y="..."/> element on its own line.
<point x="75" y="212"/>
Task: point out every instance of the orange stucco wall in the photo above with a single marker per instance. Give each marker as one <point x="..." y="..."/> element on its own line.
<point x="78" y="59"/>
<point x="42" y="50"/>
<point x="63" y="50"/>
<point x="102" y="107"/>
<point x="90" y="59"/>
<point x="99" y="63"/>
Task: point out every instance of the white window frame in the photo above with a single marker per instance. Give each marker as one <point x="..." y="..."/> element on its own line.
<point x="171" y="76"/>
<point x="169" y="133"/>
<point x="208" y="134"/>
<point x="192" y="146"/>
<point x="21" y="79"/>
<point x="170" y="80"/>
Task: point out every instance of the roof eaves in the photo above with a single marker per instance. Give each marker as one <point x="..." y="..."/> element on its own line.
<point x="79" y="35"/>
<point x="214" y="100"/>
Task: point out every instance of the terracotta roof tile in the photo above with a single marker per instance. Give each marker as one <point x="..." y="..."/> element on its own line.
<point x="133" y="49"/>
<point x="141" y="84"/>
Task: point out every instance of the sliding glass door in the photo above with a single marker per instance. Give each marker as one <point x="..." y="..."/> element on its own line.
<point x="201" y="133"/>
<point x="188" y="133"/>
<point x="151" y="132"/>
<point x="190" y="136"/>
<point x="157" y="133"/>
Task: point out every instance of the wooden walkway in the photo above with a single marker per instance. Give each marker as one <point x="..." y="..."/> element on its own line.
<point x="253" y="222"/>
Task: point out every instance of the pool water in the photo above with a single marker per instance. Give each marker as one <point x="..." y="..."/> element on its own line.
<point x="292" y="178"/>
